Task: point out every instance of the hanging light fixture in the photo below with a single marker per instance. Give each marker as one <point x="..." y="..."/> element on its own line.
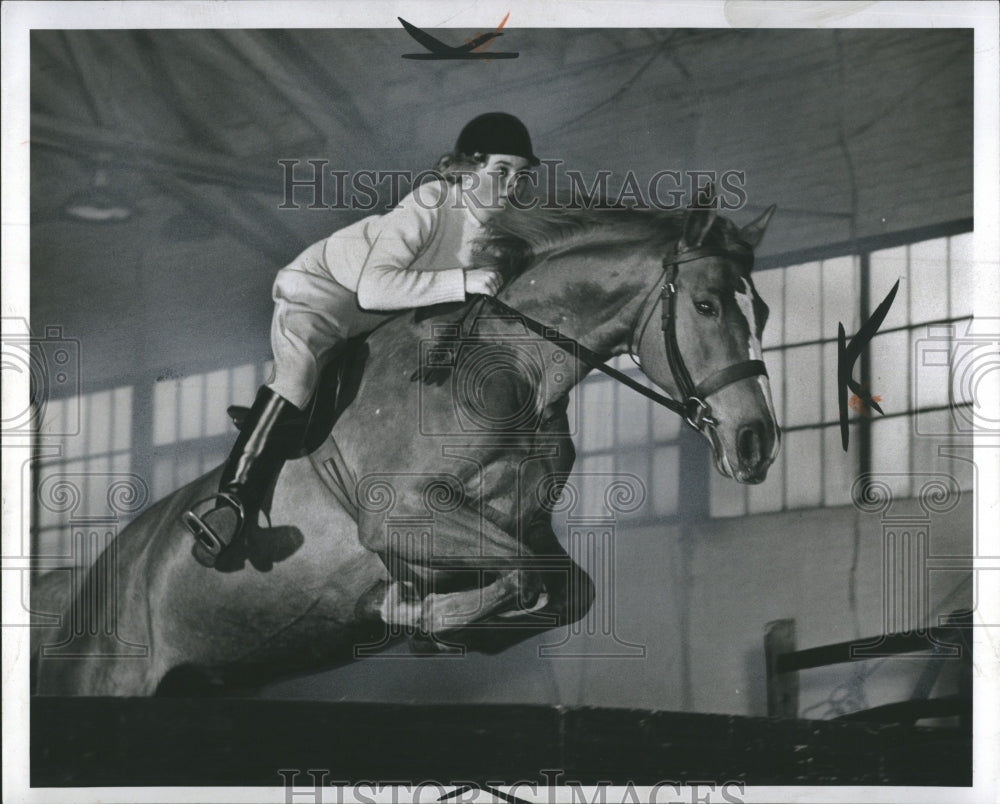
<point x="99" y="203"/>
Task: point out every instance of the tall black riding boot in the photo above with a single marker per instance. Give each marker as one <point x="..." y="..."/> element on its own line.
<point x="270" y="433"/>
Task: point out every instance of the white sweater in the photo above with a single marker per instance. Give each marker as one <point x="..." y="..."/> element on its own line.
<point x="413" y="256"/>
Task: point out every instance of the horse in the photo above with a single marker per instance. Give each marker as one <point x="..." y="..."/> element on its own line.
<point x="426" y="512"/>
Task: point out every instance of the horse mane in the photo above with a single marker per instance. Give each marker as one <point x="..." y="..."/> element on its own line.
<point x="518" y="239"/>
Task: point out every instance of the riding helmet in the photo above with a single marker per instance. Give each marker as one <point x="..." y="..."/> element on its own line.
<point x="496" y="133"/>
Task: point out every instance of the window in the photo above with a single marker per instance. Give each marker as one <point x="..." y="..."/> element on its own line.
<point x="807" y="300"/>
<point x="191" y="431"/>
<point x="620" y="433"/>
<point x="72" y="479"/>
<point x="165" y="436"/>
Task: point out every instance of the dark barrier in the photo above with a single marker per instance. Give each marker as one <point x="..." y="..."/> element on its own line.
<point x="228" y="741"/>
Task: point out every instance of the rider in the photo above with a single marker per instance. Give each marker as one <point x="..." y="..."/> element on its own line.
<point x="340" y="287"/>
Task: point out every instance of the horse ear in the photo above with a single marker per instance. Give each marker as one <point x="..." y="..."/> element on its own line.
<point x="700" y="217"/>
<point x="697" y="223"/>
<point x="753" y="232"/>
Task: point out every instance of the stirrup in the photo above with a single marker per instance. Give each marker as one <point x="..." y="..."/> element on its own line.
<point x="207" y="537"/>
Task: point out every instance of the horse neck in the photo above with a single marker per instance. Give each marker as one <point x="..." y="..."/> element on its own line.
<point x="592" y="297"/>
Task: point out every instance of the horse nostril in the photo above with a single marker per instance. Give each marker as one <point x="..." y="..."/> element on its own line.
<point x="748" y="444"/>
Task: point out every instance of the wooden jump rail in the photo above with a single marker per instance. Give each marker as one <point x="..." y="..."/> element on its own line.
<point x="114" y="742"/>
<point x="934" y="644"/>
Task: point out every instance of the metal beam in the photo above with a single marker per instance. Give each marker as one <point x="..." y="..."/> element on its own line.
<point x="267" y="235"/>
<point x="81" y="54"/>
<point x="307" y="86"/>
<point x="181" y="160"/>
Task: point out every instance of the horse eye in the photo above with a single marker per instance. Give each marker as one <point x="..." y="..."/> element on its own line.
<point x="705" y="308"/>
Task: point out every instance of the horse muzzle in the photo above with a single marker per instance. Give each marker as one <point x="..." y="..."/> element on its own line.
<point x="747" y="451"/>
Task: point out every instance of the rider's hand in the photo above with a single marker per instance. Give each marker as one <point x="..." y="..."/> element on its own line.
<point x="482" y="280"/>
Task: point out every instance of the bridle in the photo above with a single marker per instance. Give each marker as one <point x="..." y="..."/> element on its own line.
<point x="694" y="405"/>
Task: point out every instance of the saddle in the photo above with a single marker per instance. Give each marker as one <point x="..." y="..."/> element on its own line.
<point x="337" y="387"/>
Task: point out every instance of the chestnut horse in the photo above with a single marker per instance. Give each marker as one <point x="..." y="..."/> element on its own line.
<point x="426" y="511"/>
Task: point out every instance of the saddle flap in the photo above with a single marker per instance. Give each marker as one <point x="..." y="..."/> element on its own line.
<point x="338" y="386"/>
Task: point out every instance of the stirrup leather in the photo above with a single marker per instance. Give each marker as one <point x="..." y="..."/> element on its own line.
<point x="208" y="538"/>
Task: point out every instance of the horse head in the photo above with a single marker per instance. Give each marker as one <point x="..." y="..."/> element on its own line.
<point x="706" y="353"/>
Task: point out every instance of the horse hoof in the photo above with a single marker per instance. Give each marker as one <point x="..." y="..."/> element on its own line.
<point x="371" y="600"/>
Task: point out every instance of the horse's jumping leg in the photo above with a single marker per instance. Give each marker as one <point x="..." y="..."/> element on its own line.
<point x="513" y="593"/>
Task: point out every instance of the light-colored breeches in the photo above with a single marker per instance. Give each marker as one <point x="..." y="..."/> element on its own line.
<point x="313" y="315"/>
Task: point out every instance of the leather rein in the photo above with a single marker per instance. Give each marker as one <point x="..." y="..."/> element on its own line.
<point x="693" y="407"/>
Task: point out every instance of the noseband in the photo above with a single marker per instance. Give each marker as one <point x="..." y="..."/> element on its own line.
<point x="694" y="405"/>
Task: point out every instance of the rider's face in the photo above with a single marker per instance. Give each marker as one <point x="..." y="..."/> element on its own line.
<point x="494" y="182"/>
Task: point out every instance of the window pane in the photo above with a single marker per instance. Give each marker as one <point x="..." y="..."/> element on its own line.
<point x="830" y="405"/>
<point x="767" y="496"/>
<point x="60" y="416"/>
<point x="962" y="275"/>
<point x="928" y="280"/>
<point x="631" y="416"/>
<point x="886" y="267"/>
<point x="592" y="479"/>
<point x="664" y="488"/>
<point x="804" y="459"/>
<point x="236" y="386"/>
<point x="97" y="415"/>
<point x="77" y="488"/>
<point x="769" y="288"/>
<point x="891" y="452"/>
<point x="841" y="295"/>
<point x="933" y="355"/>
<point x="776" y="379"/>
<point x="890" y="371"/>
<point x="909" y="368"/>
<point x="621" y="362"/>
<point x="121" y="403"/>
<point x="925" y="449"/>
<point x="191" y="407"/>
<point x="726" y="498"/>
<point x="840" y="468"/>
<point x="636" y="461"/>
<point x="802" y="303"/>
<point x="165" y="401"/>
<point x="803" y="382"/>
<point x="595" y="405"/>
<point x="106" y="419"/>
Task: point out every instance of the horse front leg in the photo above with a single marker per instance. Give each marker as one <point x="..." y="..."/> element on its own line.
<point x="554" y="595"/>
<point x="516" y="606"/>
<point x="513" y="593"/>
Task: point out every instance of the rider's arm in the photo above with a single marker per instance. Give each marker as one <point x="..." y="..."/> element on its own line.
<point x="388" y="281"/>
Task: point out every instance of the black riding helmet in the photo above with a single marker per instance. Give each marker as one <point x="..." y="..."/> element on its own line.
<point x="496" y="133"/>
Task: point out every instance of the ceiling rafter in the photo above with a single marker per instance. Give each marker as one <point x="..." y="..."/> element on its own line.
<point x="157" y="67"/>
<point x="184" y="160"/>
<point x="239" y="216"/>
<point x="300" y="80"/>
<point x="81" y="54"/>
